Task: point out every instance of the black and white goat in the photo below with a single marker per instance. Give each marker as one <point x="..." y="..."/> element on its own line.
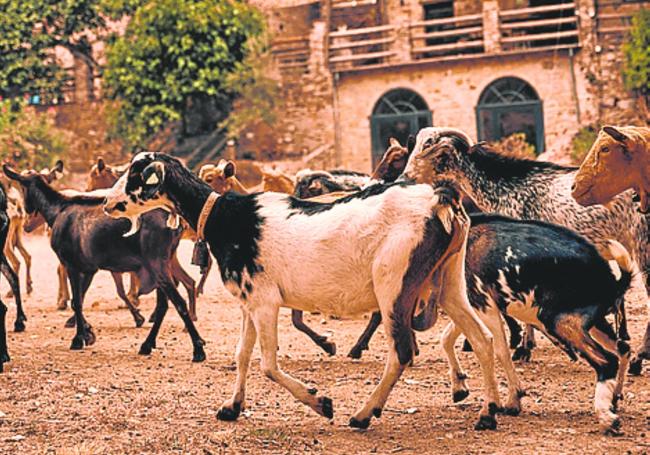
<point x="274" y="250"/>
<point x="526" y="189"/>
<point x="86" y="241"/>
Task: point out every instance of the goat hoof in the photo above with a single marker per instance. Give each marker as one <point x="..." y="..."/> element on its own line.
<point x="467" y="347"/>
<point x="90" y="337"/>
<point x="70" y="323"/>
<point x="635" y="367"/>
<point x="4" y="358"/>
<point x="77" y="344"/>
<point x="511" y="410"/>
<point x="30" y="288"/>
<point x="19" y="326"/>
<point x="486" y="423"/>
<point x="139" y="320"/>
<point x="9" y="294"/>
<point x="460" y="395"/>
<point x="329" y="347"/>
<point x="145" y="349"/>
<point x="229" y="414"/>
<point x="356" y="352"/>
<point x="325" y="407"/>
<point x="62" y="305"/>
<point x="199" y="355"/>
<point x="361" y="424"/>
<point x="614" y="428"/>
<point x="522" y="354"/>
<point x="152" y="318"/>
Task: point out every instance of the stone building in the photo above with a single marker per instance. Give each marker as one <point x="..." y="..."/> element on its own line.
<point x="356" y="72"/>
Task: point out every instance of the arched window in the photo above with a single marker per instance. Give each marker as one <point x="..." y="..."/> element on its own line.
<point x="510" y="105"/>
<point x="397" y="114"/>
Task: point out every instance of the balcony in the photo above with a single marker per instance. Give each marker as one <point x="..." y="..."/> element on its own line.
<point x="491" y="33"/>
<point x="361" y="47"/>
<point x="453" y="35"/>
<point x="291" y="55"/>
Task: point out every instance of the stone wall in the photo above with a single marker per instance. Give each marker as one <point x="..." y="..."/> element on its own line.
<point x="452" y="91"/>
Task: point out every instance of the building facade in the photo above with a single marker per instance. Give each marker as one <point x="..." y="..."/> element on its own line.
<point x="356" y="72"/>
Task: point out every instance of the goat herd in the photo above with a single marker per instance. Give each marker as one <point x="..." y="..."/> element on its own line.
<point x="398" y="244"/>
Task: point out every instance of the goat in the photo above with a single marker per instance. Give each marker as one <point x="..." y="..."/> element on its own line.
<point x="102" y="176"/>
<point x="617" y="161"/>
<point x="274" y="250"/>
<point x="4" y="231"/>
<point x="16" y="212"/>
<point x="81" y="233"/>
<point x="526" y="189"/>
<point x="222" y="178"/>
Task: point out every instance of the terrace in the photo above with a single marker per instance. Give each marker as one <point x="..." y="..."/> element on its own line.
<point x="491" y="32"/>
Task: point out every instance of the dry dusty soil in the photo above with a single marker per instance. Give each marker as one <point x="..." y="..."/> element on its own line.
<point x="108" y="399"/>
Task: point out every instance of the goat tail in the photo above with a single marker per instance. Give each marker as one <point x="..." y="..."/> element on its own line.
<point x="624" y="261"/>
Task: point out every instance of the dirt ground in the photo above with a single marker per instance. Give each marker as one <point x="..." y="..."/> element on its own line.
<point x="108" y="399"/>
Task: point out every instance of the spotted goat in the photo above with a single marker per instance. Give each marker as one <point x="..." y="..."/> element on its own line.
<point x="275" y="251"/>
<point x="526" y="189"/>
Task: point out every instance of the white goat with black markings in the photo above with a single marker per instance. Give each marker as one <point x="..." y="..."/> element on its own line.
<point x="277" y="251"/>
<point x="535" y="190"/>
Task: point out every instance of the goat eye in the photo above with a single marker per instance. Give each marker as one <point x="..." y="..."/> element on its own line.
<point x="428" y="142"/>
<point x="604" y="149"/>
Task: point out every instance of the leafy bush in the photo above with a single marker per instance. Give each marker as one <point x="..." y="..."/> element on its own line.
<point x="582" y="142"/>
<point x="636" y="52"/>
<point x="29" y="139"/>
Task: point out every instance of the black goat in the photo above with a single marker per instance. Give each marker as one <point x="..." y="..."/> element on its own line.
<point x="4" y="231"/>
<point x="86" y="240"/>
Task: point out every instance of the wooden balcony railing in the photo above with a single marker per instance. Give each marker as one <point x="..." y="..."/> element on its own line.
<point x="543" y="26"/>
<point x="291" y="55"/>
<point x="361" y="47"/>
<point x="448" y="36"/>
<point x="336" y="4"/>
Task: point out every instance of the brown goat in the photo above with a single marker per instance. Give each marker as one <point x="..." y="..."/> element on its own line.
<point x="617" y="161"/>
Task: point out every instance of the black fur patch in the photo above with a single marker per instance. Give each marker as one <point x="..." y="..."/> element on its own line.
<point x="498" y="166"/>
<point x="236" y="225"/>
<point x="306" y="207"/>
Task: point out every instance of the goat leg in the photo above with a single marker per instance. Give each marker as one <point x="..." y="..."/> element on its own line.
<point x="320" y="340"/>
<point x="119" y="286"/>
<point x="14" y="282"/>
<point x="364" y="339"/>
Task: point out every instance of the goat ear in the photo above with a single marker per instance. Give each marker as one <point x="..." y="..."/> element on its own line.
<point x="12" y="174"/>
<point x="58" y="166"/>
<point x="100" y="164"/>
<point x="616" y="134"/>
<point x="153" y="175"/>
<point x="394" y="142"/>
<point x="410" y="143"/>
<point x="446" y="216"/>
<point x="229" y="169"/>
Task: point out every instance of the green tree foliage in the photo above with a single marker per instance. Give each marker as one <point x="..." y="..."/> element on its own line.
<point x="257" y="95"/>
<point x="29" y="139"/>
<point x="173" y="57"/>
<point x="636" y="70"/>
<point x="29" y="32"/>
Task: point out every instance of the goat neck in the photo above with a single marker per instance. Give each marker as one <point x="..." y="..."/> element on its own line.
<point x="188" y="193"/>
<point x="45" y="200"/>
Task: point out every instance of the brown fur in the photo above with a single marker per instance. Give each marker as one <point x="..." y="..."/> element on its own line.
<point x="617" y="161"/>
